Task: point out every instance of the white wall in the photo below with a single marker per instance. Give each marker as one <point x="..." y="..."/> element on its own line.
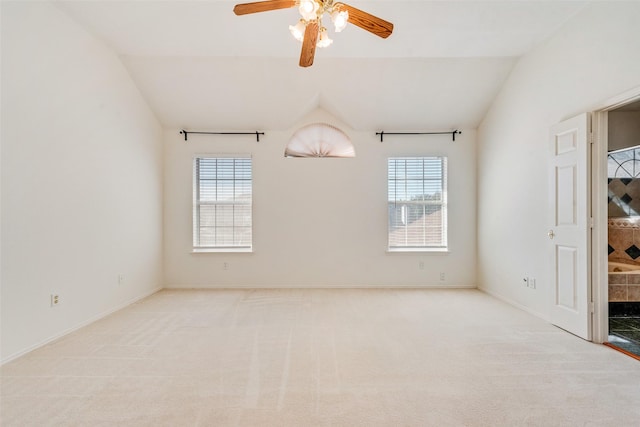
<point x="319" y="222"/>
<point x="591" y="59"/>
<point x="623" y="129"/>
<point x="81" y="179"/>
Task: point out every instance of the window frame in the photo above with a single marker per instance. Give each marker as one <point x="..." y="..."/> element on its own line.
<point x="443" y="247"/>
<point x="197" y="247"/>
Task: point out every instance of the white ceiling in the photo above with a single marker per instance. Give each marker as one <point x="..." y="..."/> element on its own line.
<point x="201" y="67"/>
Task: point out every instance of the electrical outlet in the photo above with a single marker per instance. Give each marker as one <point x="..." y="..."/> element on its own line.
<point x="55" y="300"/>
<point x="525" y="281"/>
<point x="421" y="265"/>
<point x="120" y="279"/>
<point x="225" y="265"/>
<point x="532" y="282"/>
<point x="442" y="277"/>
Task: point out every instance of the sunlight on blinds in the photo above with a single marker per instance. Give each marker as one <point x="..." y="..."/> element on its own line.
<point x="222" y="202"/>
<point x="417" y="202"/>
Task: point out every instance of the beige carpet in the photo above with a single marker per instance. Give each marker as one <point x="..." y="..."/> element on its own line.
<point x="321" y="358"/>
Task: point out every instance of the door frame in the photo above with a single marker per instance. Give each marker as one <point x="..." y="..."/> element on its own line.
<point x="599" y="212"/>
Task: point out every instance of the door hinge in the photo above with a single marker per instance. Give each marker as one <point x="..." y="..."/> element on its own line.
<point x="591" y="222"/>
<point x="592" y="307"/>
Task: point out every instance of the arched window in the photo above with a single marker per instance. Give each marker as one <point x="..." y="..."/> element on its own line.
<point x="319" y="140"/>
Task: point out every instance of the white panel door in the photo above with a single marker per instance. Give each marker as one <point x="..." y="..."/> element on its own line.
<point x="570" y="230"/>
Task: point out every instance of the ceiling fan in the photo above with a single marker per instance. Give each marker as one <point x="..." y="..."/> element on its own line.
<point x="309" y="29"/>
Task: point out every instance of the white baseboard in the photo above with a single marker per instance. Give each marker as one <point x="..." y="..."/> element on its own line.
<point x="514" y="303"/>
<point x="81" y="325"/>
<point x="223" y="286"/>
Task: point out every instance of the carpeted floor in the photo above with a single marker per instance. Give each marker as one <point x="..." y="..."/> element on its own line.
<point x="321" y="358"/>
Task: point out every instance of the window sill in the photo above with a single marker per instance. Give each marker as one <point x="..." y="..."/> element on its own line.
<point x="418" y="250"/>
<point x="221" y="250"/>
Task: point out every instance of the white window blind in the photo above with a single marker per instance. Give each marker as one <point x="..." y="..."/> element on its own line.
<point x="222" y="195"/>
<point x="417" y="203"/>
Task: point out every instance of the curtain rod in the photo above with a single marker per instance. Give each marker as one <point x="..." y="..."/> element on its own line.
<point x="452" y="132"/>
<point x="256" y="133"/>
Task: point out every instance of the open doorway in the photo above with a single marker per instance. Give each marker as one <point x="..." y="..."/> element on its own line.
<point x="623" y="227"/>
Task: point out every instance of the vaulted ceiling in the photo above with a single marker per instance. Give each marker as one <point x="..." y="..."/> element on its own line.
<point x="201" y="66"/>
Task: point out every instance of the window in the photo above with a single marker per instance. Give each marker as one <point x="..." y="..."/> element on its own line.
<point x="417" y="202"/>
<point x="222" y="194"/>
<point x="624" y="163"/>
<point x="624" y="177"/>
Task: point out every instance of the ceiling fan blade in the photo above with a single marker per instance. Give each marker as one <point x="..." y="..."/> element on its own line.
<point x="366" y="21"/>
<point x="309" y="44"/>
<point x="262" y="6"/>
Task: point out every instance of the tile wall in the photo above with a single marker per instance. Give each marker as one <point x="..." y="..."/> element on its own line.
<point x="624" y="247"/>
<point x="624" y="197"/>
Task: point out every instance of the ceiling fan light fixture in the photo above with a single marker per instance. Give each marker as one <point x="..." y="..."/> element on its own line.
<point x="340" y="18"/>
<point x="323" y="39"/>
<point x="310" y="30"/>
<point x="308" y="9"/>
<point x="297" y="31"/>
